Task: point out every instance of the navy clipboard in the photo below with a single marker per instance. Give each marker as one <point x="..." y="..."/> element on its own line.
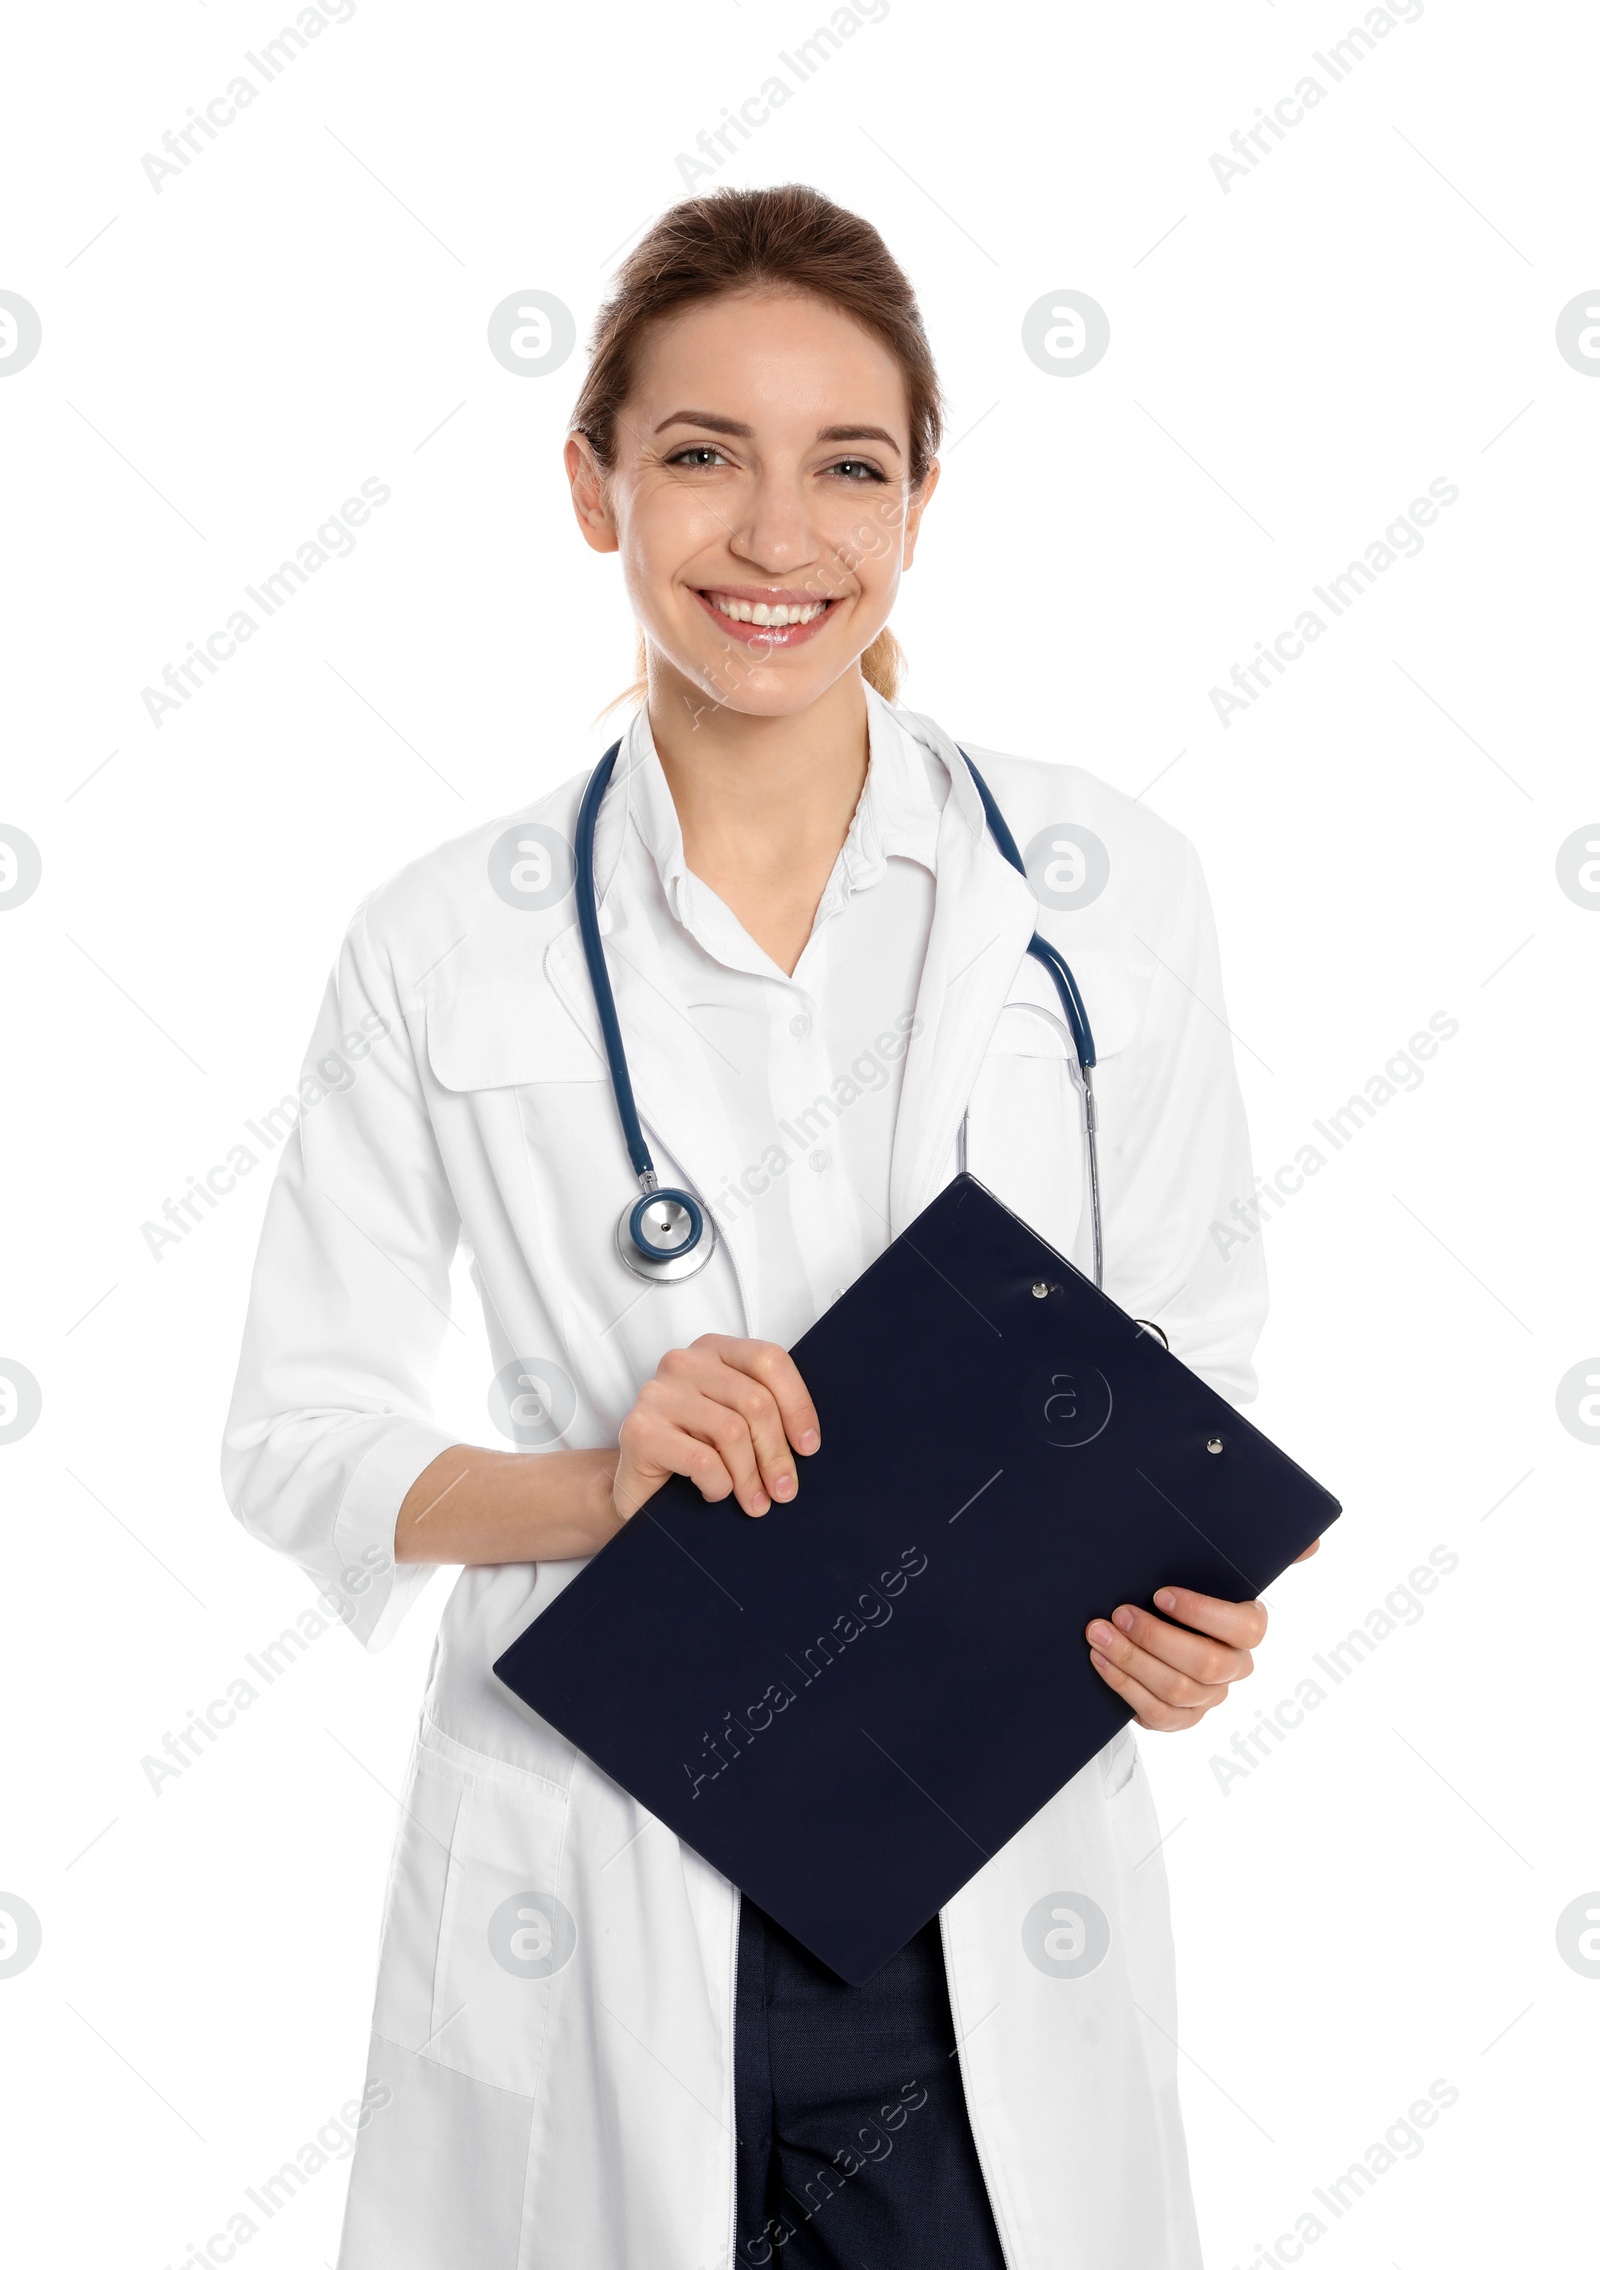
<point x="848" y="1706"/>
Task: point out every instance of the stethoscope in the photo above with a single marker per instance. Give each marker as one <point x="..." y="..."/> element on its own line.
<point x="666" y="1235"/>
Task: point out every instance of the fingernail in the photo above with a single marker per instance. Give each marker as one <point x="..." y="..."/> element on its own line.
<point x="1166" y="1601"/>
<point x="760" y="1505"/>
<point x="1101" y="1634"/>
<point x="809" y="1441"/>
<point x="784" y="1486"/>
<point x="1123" y="1619"/>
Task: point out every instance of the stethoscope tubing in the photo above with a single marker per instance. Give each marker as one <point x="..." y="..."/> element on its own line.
<point x="686" y="1257"/>
<point x="594" y="956"/>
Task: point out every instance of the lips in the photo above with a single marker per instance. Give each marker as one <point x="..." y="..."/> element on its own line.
<point x="765" y="617"/>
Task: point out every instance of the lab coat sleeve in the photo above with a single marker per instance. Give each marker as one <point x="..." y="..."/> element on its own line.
<point x="331" y="1420"/>
<point x="1178" y="1162"/>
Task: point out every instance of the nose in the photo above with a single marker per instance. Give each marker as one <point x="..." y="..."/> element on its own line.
<point x="777" y="533"/>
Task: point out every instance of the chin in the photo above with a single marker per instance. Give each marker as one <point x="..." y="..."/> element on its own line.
<point x="764" y="690"/>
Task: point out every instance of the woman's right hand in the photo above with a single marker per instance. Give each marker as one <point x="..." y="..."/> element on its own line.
<point x="729" y="1414"/>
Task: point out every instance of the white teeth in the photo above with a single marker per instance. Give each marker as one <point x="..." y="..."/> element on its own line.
<point x="779" y="617"/>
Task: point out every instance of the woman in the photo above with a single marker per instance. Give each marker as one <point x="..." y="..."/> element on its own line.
<point x="585" y="2052"/>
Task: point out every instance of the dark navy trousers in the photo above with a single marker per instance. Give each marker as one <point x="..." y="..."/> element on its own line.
<point x="855" y="2152"/>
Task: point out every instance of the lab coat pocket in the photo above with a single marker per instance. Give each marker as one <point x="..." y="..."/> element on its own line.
<point x="512" y="1065"/>
<point x="476" y="1937"/>
<point x="1024" y="1140"/>
<point x="483" y="1035"/>
<point x="505" y="1936"/>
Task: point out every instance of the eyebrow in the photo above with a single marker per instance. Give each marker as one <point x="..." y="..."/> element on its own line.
<point x="711" y="423"/>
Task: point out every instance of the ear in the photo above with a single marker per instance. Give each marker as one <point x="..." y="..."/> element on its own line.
<point x="589" y="498"/>
<point x="914" y="511"/>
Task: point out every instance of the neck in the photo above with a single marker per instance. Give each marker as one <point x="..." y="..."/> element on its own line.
<point x="764" y="802"/>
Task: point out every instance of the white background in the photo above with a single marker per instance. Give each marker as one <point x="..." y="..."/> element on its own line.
<point x="1292" y="360"/>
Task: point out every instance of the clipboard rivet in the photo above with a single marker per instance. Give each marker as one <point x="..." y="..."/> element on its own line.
<point x="1041" y="1290"/>
<point x="1214" y="1444"/>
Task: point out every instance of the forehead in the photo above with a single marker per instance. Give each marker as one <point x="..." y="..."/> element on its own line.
<point x="766" y="357"/>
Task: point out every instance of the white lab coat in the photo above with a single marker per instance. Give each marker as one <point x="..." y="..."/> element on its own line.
<point x="584" y="2120"/>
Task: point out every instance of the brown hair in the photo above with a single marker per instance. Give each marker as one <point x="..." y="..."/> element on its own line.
<point x="791" y="239"/>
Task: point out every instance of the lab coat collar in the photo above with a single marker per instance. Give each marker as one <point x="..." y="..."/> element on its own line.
<point x="641" y="785"/>
<point x="898" y="815"/>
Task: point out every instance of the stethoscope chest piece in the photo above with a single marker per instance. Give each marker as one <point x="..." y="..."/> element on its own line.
<point x="665" y="1235"/>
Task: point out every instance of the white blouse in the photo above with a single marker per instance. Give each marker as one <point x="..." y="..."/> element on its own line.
<point x="808" y="1068"/>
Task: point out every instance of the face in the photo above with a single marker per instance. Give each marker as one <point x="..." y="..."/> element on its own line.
<point x="761" y="499"/>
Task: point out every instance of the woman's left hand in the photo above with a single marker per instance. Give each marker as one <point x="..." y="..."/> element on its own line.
<point x="1171" y="1673"/>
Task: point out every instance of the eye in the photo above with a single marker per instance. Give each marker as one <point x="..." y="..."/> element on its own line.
<point x="698" y="456"/>
<point x="856" y="469"/>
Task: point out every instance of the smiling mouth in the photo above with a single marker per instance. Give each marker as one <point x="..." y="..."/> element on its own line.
<point x="767" y="619"/>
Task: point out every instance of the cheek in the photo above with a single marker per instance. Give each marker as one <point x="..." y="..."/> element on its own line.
<point x="870" y="549"/>
<point x="879" y="576"/>
<point x="871" y="533"/>
<point x="665" y="527"/>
